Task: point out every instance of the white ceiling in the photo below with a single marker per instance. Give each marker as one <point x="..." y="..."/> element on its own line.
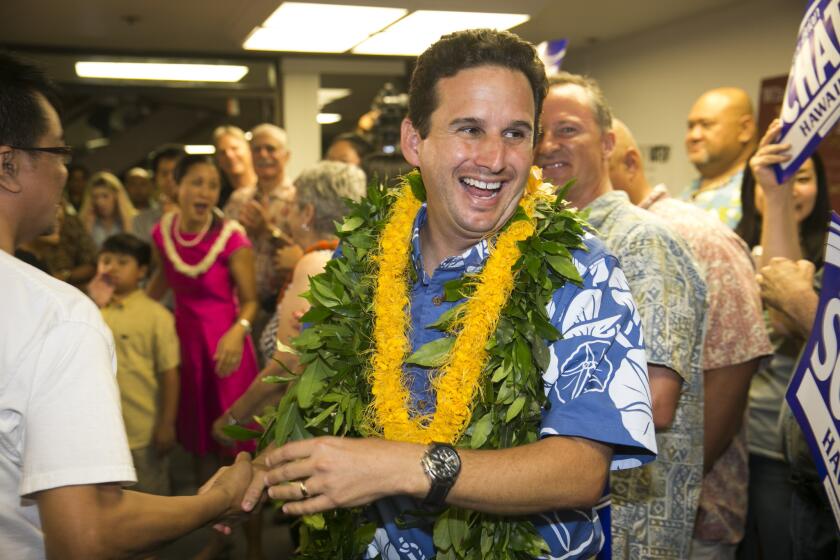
<point x="218" y="27"/>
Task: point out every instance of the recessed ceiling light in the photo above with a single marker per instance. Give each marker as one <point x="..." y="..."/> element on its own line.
<point x="334" y="28"/>
<point x="328" y="95"/>
<point x="328" y="118"/>
<point x="206" y="149"/>
<point x="161" y="72"/>
<point x="414" y="33"/>
<point x="97" y="143"/>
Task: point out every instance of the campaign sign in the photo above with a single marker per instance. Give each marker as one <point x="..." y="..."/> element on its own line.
<point x="811" y="104"/>
<point x="552" y="54"/>
<point x="814" y="391"/>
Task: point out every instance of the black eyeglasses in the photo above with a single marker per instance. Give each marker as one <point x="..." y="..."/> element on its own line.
<point x="66" y="152"/>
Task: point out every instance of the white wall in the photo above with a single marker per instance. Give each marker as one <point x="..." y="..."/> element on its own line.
<point x="652" y="79"/>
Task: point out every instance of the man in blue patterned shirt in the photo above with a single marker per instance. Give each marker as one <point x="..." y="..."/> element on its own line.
<point x="474" y="106"/>
<point x="653" y="508"/>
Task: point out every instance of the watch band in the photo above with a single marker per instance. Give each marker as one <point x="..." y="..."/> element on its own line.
<point x="442" y="479"/>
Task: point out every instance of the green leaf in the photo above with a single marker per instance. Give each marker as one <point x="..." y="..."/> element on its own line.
<point x="445" y="320"/>
<point x="351" y="223"/>
<point x="278" y="379"/>
<point x="450" y="530"/>
<point x="311" y="382"/>
<point x="240" y="433"/>
<point x="532" y="263"/>
<point x="432" y="354"/>
<point x="506" y="392"/>
<point x="316" y="314"/>
<point x="440" y="535"/>
<point x="286" y="417"/>
<point x="323" y="293"/>
<point x="316" y="422"/>
<point x="361" y="239"/>
<point x="481" y="430"/>
<point x="521" y="356"/>
<point x="514" y="409"/>
<point x="486" y="541"/>
<point x="337" y="421"/>
<point x="564" y="267"/>
<point x="308" y="340"/>
<point x="540" y="352"/>
<point x="501" y="372"/>
<point x="363" y="537"/>
<point x="543" y="327"/>
<point x="283" y="348"/>
<point x="415" y="181"/>
<point x="315" y="521"/>
<point x="453" y="290"/>
<point x="554" y="248"/>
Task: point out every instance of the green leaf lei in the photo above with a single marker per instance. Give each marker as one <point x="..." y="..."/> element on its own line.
<point x="332" y="395"/>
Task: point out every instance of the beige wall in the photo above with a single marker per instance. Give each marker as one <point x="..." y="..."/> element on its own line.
<point x="651" y="79"/>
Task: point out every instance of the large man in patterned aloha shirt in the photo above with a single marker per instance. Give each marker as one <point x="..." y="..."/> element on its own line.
<point x="735" y="341"/>
<point x="653" y="508"/>
<point x="473" y="113"/>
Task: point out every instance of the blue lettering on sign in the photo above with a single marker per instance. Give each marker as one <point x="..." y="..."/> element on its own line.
<point x="810" y="104"/>
<point x="833" y="459"/>
<point x="814" y="390"/>
<point x="831" y="365"/>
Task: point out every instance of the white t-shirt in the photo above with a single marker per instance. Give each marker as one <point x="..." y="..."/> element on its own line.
<point x="60" y="420"/>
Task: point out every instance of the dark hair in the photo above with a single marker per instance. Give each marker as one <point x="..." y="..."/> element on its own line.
<point x="812" y="229"/>
<point x="167" y="151"/>
<point x="127" y="244"/>
<point x="191" y="160"/>
<point x="600" y="108"/>
<point x="469" y="49"/>
<point x="73" y="167"/>
<point x="22" y="118"/>
<point x="360" y="145"/>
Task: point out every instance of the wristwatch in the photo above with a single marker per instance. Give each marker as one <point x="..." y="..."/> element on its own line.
<point x="442" y="464"/>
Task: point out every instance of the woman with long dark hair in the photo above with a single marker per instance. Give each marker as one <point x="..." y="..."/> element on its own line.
<point x="787" y="220"/>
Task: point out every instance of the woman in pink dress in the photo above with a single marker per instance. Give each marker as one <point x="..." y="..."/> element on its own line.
<point x="209" y="264"/>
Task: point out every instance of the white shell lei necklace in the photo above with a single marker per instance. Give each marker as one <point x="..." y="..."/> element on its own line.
<point x="202" y="266"/>
<point x="194" y="241"/>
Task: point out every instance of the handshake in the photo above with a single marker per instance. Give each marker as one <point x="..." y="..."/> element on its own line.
<point x="315" y="475"/>
<point x="240" y="489"/>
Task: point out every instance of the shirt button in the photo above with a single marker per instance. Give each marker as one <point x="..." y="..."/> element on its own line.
<point x="437" y="300"/>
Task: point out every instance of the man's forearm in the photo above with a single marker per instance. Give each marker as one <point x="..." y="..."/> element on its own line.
<point x="551" y="474"/>
<point x="725" y="399"/>
<point x="103" y="521"/>
<point x="554" y="473"/>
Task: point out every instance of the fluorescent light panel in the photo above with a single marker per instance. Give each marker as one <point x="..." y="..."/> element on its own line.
<point x="333" y="28"/>
<point x="161" y="71"/>
<point x="328" y="95"/>
<point x="413" y="34"/>
<point x="206" y="149"/>
<point x="328" y="118"/>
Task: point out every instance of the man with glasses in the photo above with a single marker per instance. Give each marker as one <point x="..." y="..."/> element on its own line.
<point x="262" y="209"/>
<point x="63" y="449"/>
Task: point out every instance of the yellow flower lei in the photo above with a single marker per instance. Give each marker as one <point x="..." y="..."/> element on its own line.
<point x="457" y="381"/>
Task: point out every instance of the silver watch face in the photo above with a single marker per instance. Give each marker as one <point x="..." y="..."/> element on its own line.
<point x="444" y="463"/>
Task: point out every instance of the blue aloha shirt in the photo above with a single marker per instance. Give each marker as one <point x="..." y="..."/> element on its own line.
<point x="597" y="386"/>
<point x="724" y="202"/>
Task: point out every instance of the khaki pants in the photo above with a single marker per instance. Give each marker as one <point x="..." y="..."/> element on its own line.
<point x="152" y="472"/>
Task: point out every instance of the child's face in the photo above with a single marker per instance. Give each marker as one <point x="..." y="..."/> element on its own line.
<point x="120" y="271"/>
<point x="104" y="201"/>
